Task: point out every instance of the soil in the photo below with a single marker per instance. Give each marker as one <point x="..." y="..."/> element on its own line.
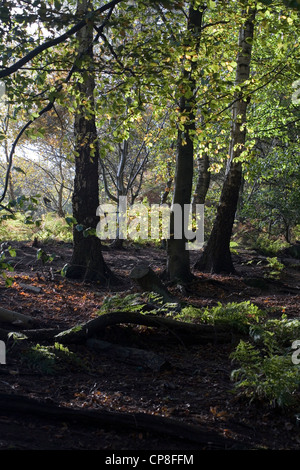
<point x="196" y="389"/>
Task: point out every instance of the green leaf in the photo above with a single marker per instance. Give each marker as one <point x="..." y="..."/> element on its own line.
<point x="71" y="221"/>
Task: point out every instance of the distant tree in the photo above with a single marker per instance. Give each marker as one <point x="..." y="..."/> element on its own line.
<point x="53" y="156"/>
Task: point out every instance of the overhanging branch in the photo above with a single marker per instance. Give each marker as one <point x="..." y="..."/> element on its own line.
<point x="110" y="6"/>
<point x="54" y="42"/>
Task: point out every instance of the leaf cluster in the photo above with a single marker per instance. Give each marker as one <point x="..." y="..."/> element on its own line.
<point x="235" y="315"/>
<point x="266" y="371"/>
<point x="50" y="359"/>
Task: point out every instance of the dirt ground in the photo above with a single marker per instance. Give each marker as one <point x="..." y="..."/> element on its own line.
<point x="195" y="389"/>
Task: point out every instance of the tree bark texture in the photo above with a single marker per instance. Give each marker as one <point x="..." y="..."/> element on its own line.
<point x="216" y="256"/>
<point x="87" y="261"/>
<point x="203" y="180"/>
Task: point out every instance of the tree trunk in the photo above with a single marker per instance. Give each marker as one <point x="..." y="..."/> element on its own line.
<point x="11" y="191"/>
<point x="178" y="259"/>
<point x="216" y="256"/>
<point x="87" y="261"/>
<point x="178" y="262"/>
<point x="203" y="180"/>
<point x="148" y="281"/>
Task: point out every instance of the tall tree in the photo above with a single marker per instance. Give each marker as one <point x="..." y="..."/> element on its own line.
<point x="178" y="259"/>
<point x="87" y="261"/>
<point x="216" y="256"/>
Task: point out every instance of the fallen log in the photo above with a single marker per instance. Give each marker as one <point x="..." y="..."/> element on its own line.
<point x="141" y="422"/>
<point x="42" y="334"/>
<point x="9" y="316"/>
<point x="34" y="289"/>
<point x="201" y="334"/>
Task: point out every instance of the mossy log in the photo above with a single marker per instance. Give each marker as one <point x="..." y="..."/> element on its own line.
<point x="201" y="334"/>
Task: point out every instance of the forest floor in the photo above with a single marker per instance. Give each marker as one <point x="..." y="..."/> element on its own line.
<point x="195" y="389"/>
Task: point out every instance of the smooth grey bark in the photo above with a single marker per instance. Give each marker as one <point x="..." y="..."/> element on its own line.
<point x="203" y="180"/>
<point x="216" y="256"/>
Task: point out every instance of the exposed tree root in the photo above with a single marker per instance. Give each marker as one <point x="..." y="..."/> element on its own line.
<point x="201" y="334"/>
<point x="185" y="332"/>
<point x="204" y="438"/>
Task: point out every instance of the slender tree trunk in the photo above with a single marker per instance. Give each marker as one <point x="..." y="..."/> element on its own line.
<point x="203" y="180"/>
<point x="178" y="259"/>
<point x="87" y="260"/>
<point x="11" y="191"/>
<point x="165" y="194"/>
<point x="121" y="190"/>
<point x="216" y="256"/>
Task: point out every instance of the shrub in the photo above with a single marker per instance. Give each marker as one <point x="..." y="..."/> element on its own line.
<point x="267" y="246"/>
<point x="266" y="369"/>
<point x="274" y="268"/>
<point x="237" y="315"/>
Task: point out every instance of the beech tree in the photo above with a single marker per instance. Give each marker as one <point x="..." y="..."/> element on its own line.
<point x="87" y="261"/>
<point x="178" y="264"/>
<point x="183" y="65"/>
<point x="216" y="256"/>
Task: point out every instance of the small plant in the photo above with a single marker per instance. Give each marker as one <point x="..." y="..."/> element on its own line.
<point x="274" y="268"/>
<point x="150" y="302"/>
<point x="131" y="302"/>
<point x="267" y="246"/>
<point x="266" y="369"/>
<point x="50" y="359"/>
<point x="233" y="247"/>
<point x="273" y="378"/>
<point x="5" y="265"/>
<point x="238" y="315"/>
<point x="276" y="334"/>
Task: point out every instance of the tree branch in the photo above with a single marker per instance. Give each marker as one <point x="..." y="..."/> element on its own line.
<point x="50" y="105"/>
<point x="54" y="42"/>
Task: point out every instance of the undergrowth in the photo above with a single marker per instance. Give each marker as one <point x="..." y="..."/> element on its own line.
<point x="21" y="228"/>
<point x="265" y="369"/>
<point x="236" y="315"/>
<point x="50" y="359"/>
<point x="268" y="368"/>
<point x="268" y="246"/>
